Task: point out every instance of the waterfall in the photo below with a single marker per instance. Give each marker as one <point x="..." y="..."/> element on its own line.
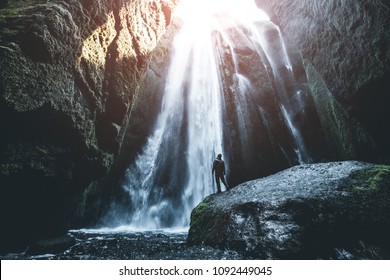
<point x="172" y="173"/>
<point x="291" y="100"/>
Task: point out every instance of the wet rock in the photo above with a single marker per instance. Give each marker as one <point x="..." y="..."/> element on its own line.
<point x="129" y="246"/>
<point x="69" y="72"/>
<point x="348" y="44"/>
<point x="306" y="212"/>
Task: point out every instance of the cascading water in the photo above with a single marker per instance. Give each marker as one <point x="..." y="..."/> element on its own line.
<point x="290" y="102"/>
<point x="173" y="172"/>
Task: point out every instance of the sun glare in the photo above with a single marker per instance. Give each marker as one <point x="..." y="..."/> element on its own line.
<point x="244" y="11"/>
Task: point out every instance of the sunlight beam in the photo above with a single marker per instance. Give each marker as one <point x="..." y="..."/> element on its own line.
<point x="241" y="10"/>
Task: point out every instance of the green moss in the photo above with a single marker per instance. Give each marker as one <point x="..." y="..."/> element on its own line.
<point x="21" y="3"/>
<point x="206" y="225"/>
<point x="371" y="179"/>
<point x="201" y="213"/>
<point x="204" y="214"/>
<point x="204" y="204"/>
<point x="346" y="137"/>
<point x="12" y="7"/>
<point x="16" y="7"/>
<point x="367" y="208"/>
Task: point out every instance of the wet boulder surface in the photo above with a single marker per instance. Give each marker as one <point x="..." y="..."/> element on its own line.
<point x="337" y="210"/>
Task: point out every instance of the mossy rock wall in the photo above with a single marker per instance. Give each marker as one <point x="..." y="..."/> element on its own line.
<point x="69" y="75"/>
<point x="347" y="43"/>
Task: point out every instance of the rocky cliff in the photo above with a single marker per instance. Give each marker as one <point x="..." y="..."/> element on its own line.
<point x="346" y="49"/>
<point x="334" y="210"/>
<point x="69" y="74"/>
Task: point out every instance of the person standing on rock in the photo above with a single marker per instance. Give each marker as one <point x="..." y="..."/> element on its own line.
<point x="219" y="172"/>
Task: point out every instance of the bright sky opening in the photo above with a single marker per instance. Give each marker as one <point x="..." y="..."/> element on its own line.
<point x="244" y="11"/>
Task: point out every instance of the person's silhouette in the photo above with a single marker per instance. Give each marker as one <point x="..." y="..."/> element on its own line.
<point x="219" y="172"/>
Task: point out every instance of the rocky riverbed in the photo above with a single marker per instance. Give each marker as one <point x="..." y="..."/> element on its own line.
<point x="117" y="245"/>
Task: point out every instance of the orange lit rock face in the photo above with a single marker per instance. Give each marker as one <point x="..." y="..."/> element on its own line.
<point x="68" y="75"/>
<point x="114" y="57"/>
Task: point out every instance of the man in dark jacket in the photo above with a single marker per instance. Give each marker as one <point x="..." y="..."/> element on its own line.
<point x="219" y="172"/>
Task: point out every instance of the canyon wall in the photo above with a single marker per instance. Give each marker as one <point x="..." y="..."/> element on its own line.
<point x="69" y="73"/>
<point x="346" y="49"/>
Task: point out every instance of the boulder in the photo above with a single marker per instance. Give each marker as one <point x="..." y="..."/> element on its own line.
<point x="330" y="210"/>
